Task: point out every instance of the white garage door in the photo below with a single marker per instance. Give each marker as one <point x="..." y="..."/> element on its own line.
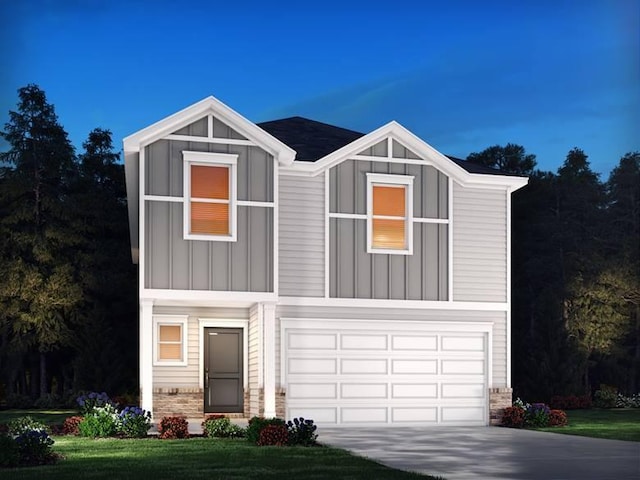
<point x="351" y="372"/>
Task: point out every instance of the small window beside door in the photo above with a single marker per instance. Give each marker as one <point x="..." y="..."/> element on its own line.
<point x="170" y="344"/>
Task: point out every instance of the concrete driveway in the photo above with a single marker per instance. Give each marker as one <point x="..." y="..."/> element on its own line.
<point x="485" y="453"/>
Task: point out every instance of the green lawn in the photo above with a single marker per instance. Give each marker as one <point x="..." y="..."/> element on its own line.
<point x="194" y="458"/>
<point x="616" y="424"/>
<point x="200" y="458"/>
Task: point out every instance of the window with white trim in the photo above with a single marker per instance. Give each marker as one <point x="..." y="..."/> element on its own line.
<point x="210" y="194"/>
<point x="170" y="340"/>
<point x="389" y="214"/>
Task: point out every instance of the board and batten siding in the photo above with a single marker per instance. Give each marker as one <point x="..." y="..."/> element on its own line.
<point x="172" y="262"/>
<point x="301" y="236"/>
<point x="354" y="273"/>
<point x="189" y="376"/>
<point x="479" y="244"/>
<point x="498" y="354"/>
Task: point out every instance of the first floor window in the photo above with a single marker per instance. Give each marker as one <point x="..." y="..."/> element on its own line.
<point x="389" y="214"/>
<point x="170" y="341"/>
<point x="210" y="196"/>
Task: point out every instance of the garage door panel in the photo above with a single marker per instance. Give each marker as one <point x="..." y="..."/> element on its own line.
<point x="312" y="390"/>
<point x="459" y="343"/>
<point x="463" y="367"/>
<point x="363" y="415"/>
<point x="414" y="366"/>
<point x="315" y="341"/>
<point x="311" y="366"/>
<point x="414" y="390"/>
<point x="428" y="343"/>
<point x="363" y="390"/>
<point x="405" y="415"/>
<point x="462" y="414"/>
<point x="351" y="366"/>
<point x="363" y="342"/>
<point x="317" y="414"/>
<point x="463" y="390"/>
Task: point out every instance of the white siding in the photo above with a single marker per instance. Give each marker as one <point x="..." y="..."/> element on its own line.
<point x="189" y="376"/>
<point x="499" y="338"/>
<point x="479" y="245"/>
<point x="301" y="236"/>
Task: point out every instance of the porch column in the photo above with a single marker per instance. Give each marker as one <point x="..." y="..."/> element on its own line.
<point x="269" y="342"/>
<point x="146" y="355"/>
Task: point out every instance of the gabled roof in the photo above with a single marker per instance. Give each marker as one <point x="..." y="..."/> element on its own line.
<point x="210" y="105"/>
<point x="313" y="140"/>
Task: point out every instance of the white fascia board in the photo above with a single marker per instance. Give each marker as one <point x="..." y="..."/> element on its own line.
<point x="421" y="148"/>
<point x="210" y="105"/>
<point x="206" y="298"/>
<point x="393" y="304"/>
<point x="131" y="168"/>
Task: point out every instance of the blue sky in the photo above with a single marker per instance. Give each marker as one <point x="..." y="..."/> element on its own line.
<point x="462" y="75"/>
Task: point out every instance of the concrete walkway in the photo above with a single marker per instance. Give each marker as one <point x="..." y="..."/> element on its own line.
<point x="487" y="453"/>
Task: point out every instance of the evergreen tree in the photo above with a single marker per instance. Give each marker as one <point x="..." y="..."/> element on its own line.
<point x="38" y="288"/>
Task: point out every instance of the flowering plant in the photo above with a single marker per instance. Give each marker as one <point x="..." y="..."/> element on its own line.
<point x="89" y="401"/>
<point x="100" y="422"/>
<point x="537" y="415"/>
<point x="134" y="422"/>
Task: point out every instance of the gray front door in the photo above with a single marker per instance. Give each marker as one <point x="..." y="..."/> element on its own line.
<point x="223" y="379"/>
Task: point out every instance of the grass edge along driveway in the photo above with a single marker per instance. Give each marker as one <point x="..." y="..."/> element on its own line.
<point x="612" y="424"/>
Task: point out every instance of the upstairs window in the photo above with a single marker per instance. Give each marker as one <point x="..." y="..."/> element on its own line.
<point x="389" y="214"/>
<point x="210" y="196"/>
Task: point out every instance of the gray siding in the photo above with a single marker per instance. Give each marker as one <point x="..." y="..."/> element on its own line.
<point x="188" y="376"/>
<point x="199" y="128"/>
<point x="479" y="244"/>
<point x="245" y="265"/>
<point x="301" y="236"/>
<point x="175" y="263"/>
<point x="354" y="273"/>
<point x="498" y="353"/>
<point x="358" y="274"/>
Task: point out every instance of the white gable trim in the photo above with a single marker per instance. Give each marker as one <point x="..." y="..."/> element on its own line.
<point x="430" y="156"/>
<point x="207" y="107"/>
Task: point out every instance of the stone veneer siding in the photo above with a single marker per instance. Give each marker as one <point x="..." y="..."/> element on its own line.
<point x="499" y="399"/>
<point x="186" y="402"/>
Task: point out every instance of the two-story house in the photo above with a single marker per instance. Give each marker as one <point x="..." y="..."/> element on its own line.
<point x="294" y="268"/>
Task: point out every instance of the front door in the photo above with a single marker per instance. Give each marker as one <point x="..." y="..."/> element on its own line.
<point x="223" y="379"/>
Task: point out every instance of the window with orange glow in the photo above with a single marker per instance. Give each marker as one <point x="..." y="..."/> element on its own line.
<point x="210" y="200"/>
<point x="170" y="343"/>
<point x="388" y="224"/>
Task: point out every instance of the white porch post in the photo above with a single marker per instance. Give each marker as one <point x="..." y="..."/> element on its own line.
<point x="269" y="349"/>
<point x="146" y="355"/>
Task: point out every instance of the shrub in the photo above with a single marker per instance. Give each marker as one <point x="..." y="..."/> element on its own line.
<point x="221" y="426"/>
<point x="134" y="422"/>
<point x="92" y="400"/>
<point x="257" y="424"/>
<point x="173" y="427"/>
<point x="513" y="417"/>
<point x="34" y="447"/>
<point x="273" y="435"/>
<point x="18" y="401"/>
<point x="302" y="432"/>
<point x="50" y="400"/>
<point x="70" y="425"/>
<point x="570" y="402"/>
<point x="9" y="453"/>
<point x="100" y="422"/>
<point x="623" y="401"/>
<point x="22" y="425"/>
<point x="605" y="397"/>
<point x="557" y="418"/>
<point x="537" y="415"/>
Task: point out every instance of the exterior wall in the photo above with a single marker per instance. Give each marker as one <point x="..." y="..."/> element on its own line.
<point x="499" y="339"/>
<point x="354" y="273"/>
<point x="301" y="236"/>
<point x="499" y="399"/>
<point x="175" y="263"/>
<point x="182" y="402"/>
<point x="479" y="244"/>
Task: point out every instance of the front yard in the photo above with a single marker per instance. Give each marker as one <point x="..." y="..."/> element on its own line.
<point x="200" y="458"/>
<point x="615" y="424"/>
